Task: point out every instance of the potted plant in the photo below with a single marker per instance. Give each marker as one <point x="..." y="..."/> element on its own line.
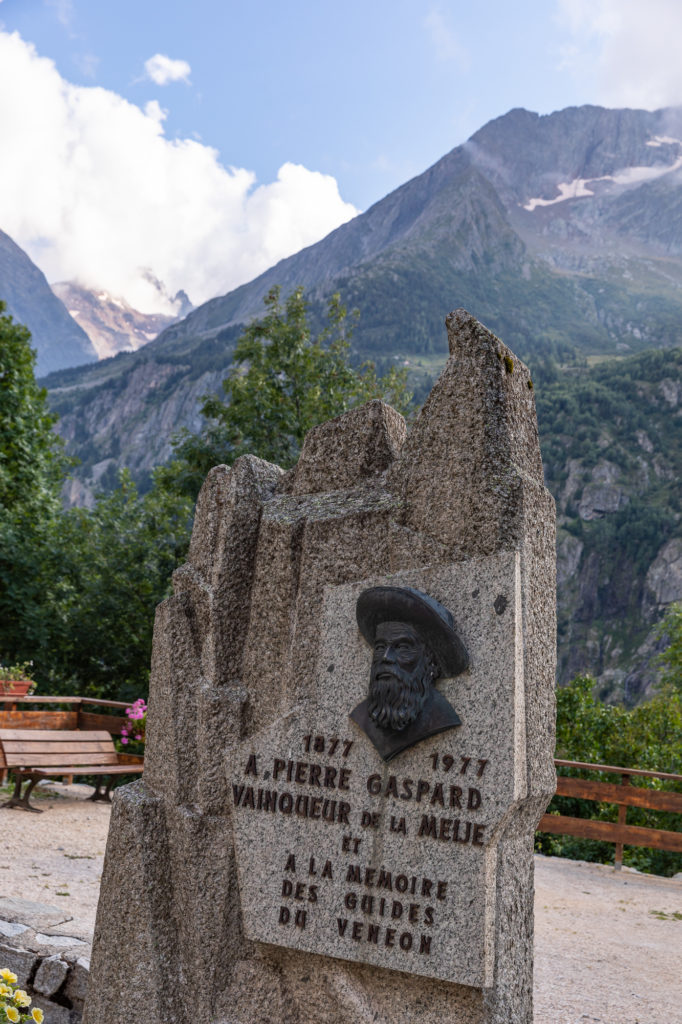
<point x="134" y="730"/>
<point x="15" y="680"/>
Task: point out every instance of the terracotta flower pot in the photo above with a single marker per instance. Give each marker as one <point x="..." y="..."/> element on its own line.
<point x="15" y="687"/>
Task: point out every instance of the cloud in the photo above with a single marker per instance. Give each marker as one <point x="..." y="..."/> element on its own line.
<point x="92" y="189"/>
<point x="625" y="52"/>
<point x="445" y="40"/>
<point x="87" y="64"/>
<point x="63" y="9"/>
<point x="162" y="70"/>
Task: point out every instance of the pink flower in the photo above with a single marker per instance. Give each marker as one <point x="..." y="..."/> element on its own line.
<point x="124" y="739"/>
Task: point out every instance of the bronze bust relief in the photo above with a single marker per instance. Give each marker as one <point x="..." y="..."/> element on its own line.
<point x="414" y="644"/>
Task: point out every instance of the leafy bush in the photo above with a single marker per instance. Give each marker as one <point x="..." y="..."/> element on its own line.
<point x="648" y="736"/>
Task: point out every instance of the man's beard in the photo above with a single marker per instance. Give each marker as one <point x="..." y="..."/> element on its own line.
<point x="395" y="702"/>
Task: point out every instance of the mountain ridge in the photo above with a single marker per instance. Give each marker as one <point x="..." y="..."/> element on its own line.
<point x="59" y="341"/>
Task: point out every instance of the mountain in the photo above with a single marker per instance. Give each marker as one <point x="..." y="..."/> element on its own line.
<point x="56" y="336"/>
<point x="111" y="323"/>
<point x="561" y="233"/>
<point x="565" y="228"/>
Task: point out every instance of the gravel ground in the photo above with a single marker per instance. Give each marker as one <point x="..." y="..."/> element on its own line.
<point x="608" y="945"/>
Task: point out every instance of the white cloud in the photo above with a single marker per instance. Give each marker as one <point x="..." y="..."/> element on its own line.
<point x="155" y="111"/>
<point x="162" y="69"/>
<point x="445" y="41"/>
<point x="95" y="192"/>
<point x="625" y="52"/>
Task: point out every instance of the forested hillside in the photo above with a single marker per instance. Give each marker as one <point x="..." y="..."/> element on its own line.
<point x="611" y="439"/>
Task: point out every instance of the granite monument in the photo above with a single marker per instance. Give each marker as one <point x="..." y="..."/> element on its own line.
<point x="351" y="729"/>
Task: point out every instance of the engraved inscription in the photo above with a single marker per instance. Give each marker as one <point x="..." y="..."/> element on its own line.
<point x="379" y="904"/>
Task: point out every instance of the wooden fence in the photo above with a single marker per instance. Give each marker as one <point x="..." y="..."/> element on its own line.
<point x="625" y="795"/>
<point x="30" y="713"/>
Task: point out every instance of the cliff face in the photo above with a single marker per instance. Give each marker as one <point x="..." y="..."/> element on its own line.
<point x="612" y="448"/>
<point x="55" y="335"/>
<point x="129" y="422"/>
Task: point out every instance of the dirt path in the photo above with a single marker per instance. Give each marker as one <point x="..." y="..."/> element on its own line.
<point x="608" y="946"/>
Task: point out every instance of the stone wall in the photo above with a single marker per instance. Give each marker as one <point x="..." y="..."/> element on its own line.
<point x="50" y="955"/>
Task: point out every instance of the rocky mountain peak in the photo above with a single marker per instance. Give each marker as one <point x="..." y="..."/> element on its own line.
<point x="110" y="322"/>
<point x="56" y="336"/>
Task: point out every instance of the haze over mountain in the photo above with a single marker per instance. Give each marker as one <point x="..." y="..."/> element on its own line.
<point x="56" y="336"/>
<point x="112" y="324"/>
<point x="72" y="325"/>
<point x="561" y="233"/>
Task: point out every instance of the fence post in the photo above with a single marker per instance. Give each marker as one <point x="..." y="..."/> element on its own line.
<point x="622" y="818"/>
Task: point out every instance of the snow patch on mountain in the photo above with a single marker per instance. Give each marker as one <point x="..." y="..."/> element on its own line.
<point x="578" y="188"/>
<point x="663" y="140"/>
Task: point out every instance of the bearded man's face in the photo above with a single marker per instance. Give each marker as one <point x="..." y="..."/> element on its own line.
<point x="403" y="671"/>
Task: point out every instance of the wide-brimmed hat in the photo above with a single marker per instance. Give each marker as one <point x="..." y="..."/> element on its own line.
<point x="405" y="604"/>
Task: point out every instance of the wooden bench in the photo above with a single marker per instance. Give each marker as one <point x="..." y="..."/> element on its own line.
<point x="35" y="754"/>
<point x="32" y="713"/>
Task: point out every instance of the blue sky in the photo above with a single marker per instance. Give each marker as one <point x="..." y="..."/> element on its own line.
<point x="370" y="92"/>
<point x="199" y="142"/>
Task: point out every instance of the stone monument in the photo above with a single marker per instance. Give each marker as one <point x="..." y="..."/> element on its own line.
<point x="351" y="729"/>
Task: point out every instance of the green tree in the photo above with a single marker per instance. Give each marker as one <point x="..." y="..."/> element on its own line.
<point x="115" y="564"/>
<point x="282" y="383"/>
<point x="31" y="455"/>
<point x="77" y="588"/>
<point x="32" y="464"/>
<point x="670" y="630"/>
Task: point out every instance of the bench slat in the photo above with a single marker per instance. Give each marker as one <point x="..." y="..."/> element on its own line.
<point x="32" y="748"/>
<point x="26" y="747"/>
<point x="54" y="757"/>
<point x="110" y="769"/>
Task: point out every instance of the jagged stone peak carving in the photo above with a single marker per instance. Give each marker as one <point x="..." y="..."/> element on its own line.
<point x="473" y="442"/>
<point x="348" y="451"/>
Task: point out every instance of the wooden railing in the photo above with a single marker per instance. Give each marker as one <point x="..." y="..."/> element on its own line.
<point x="624" y="795"/>
<point x="28" y="713"/>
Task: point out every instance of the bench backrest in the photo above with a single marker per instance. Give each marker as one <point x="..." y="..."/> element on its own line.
<point x="35" y="748"/>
